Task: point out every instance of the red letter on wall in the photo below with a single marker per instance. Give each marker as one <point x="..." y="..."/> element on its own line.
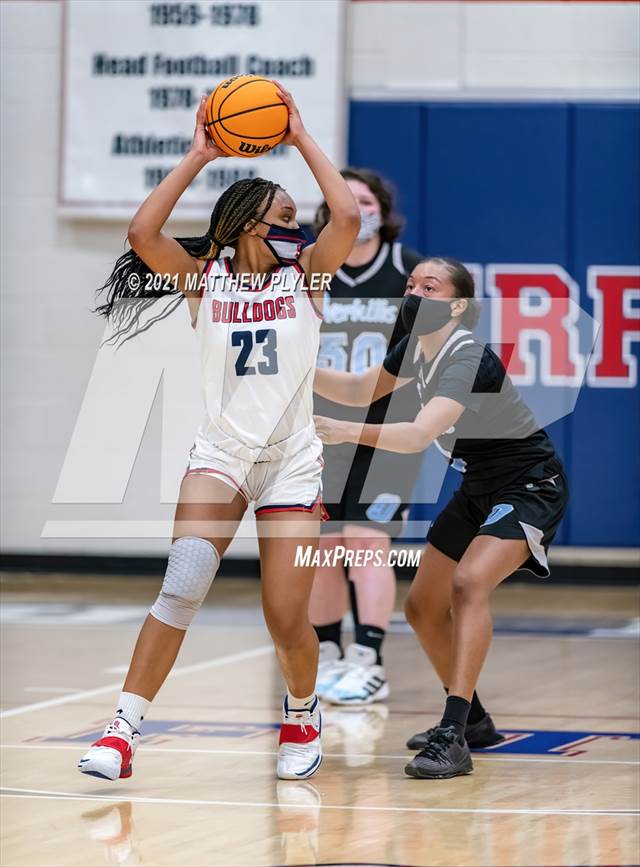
<point x="613" y="289"/>
<point x="536" y="303"/>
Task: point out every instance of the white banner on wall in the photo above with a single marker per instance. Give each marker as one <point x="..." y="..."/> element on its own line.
<point x="134" y="72"/>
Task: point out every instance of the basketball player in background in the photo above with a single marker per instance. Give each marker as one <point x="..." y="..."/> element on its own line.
<point x="257" y="442"/>
<point x="360" y="326"/>
<point x="502" y="518"/>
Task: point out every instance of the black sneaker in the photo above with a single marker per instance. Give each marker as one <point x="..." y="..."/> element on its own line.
<point x="482" y="734"/>
<point x="443" y="756"/>
<point x="477" y="735"/>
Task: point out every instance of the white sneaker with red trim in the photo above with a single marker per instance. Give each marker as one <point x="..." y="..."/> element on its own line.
<point x="111" y="756"/>
<point x="299" y="750"/>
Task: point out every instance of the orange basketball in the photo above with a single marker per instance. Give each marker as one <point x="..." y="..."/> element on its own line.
<point x="245" y="117"/>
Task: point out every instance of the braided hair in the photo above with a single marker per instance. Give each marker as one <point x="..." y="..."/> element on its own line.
<point x="128" y="282"/>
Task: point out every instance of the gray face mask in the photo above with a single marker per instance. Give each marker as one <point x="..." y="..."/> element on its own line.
<point x="369" y="225"/>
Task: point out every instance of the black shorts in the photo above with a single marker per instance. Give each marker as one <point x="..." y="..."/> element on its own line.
<point x="384" y="512"/>
<point x="529" y="508"/>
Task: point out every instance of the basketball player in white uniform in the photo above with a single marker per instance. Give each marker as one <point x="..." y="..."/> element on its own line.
<point x="259" y="348"/>
<point x="257" y="442"/>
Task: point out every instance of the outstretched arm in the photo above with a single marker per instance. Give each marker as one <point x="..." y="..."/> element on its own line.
<point x="158" y="251"/>
<point x="338" y="237"/>
<point x="356" y="389"/>
<point x="434" y="419"/>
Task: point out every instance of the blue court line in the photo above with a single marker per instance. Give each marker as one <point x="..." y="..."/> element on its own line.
<point x="532" y="742"/>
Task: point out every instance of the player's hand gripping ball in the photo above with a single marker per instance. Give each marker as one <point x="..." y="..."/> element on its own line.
<point x="246" y="116"/>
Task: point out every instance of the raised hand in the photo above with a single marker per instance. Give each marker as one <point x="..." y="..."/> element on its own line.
<point x="202" y="143"/>
<point x="296" y="127"/>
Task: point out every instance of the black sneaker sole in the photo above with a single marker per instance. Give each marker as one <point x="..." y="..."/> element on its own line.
<point x="418" y="774"/>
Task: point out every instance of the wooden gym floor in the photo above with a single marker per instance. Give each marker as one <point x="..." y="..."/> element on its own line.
<point x="561" y="682"/>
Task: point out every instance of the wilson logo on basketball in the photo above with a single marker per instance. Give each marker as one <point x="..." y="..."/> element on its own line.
<point x="247" y="148"/>
<point x="229" y="81"/>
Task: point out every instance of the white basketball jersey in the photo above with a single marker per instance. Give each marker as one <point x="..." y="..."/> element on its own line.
<point x="258" y="349"/>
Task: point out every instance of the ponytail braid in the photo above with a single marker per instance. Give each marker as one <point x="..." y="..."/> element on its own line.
<point x="127" y="295"/>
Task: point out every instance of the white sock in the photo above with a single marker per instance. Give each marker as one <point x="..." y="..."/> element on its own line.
<point x="295" y="703"/>
<point x="132" y="708"/>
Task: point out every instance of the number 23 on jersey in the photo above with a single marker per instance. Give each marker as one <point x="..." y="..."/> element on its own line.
<point x="267" y="338"/>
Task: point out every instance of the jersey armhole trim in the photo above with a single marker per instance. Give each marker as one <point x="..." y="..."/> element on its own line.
<point x="460" y="345"/>
<point x="396" y="258"/>
<point x="203" y="282"/>
<point x="307" y="291"/>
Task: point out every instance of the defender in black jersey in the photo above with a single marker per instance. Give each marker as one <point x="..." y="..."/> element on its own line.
<point x="502" y="518"/>
<point x="365" y="509"/>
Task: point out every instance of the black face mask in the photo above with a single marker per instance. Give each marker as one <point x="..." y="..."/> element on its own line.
<point x="422" y="316"/>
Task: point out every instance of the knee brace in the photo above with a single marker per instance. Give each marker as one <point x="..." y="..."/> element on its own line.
<point x="192" y="566"/>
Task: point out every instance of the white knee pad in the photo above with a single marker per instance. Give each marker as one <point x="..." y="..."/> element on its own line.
<point x="192" y="566"/>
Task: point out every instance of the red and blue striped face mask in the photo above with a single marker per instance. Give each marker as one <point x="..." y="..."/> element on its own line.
<point x="284" y="243"/>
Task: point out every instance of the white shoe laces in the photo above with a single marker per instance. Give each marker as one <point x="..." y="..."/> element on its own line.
<point x="127" y="734"/>
<point x="298" y="718"/>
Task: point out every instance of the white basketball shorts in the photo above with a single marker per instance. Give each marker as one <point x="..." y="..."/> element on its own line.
<point x="289" y="484"/>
